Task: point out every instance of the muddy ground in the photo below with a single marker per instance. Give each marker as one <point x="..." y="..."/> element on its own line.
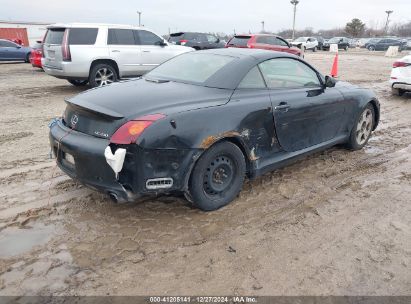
<point x="336" y="223"/>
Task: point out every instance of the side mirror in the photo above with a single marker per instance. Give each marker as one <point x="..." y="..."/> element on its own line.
<point x="330" y="82"/>
<point x="161" y="43"/>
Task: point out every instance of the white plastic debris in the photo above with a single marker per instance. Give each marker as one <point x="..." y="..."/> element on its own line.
<point x="115" y="160"/>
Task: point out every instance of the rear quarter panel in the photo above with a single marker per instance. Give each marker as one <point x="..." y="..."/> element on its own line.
<point x="246" y="119"/>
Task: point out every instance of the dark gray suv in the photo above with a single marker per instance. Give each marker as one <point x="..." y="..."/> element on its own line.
<point x="198" y="41"/>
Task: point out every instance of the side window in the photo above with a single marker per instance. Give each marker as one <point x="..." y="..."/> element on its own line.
<point x="202" y="38"/>
<point x="211" y="38"/>
<point x="253" y="80"/>
<point x="283" y="73"/>
<point x="83" y="36"/>
<point x="9" y="44"/>
<point x="281" y="42"/>
<point x="120" y="37"/>
<point x="262" y="39"/>
<point x="148" y="38"/>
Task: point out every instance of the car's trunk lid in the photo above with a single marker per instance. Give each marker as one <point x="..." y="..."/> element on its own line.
<point x="100" y="112"/>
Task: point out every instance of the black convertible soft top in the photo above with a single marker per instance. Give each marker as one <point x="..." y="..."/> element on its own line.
<point x="231" y="75"/>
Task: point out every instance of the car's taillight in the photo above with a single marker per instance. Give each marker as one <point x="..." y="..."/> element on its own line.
<point x="399" y="64"/>
<point x="65" y="48"/>
<point x="183" y="42"/>
<point x="130" y="131"/>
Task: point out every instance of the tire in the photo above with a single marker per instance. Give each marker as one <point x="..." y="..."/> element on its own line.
<point x="27" y="60"/>
<point x="217" y="177"/>
<point x="361" y="132"/>
<point x="371" y="48"/>
<point x="346" y="48"/>
<point x="397" y="92"/>
<point x="315" y="49"/>
<point x="102" y="74"/>
<point x="77" y="82"/>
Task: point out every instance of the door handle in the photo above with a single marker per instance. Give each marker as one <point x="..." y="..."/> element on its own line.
<point x="146" y="51"/>
<point x="282" y="106"/>
<point x="115" y="51"/>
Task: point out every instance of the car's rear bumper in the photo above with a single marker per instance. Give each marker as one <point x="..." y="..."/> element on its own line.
<point x="67" y="70"/>
<point x="402" y="86"/>
<point x="140" y="165"/>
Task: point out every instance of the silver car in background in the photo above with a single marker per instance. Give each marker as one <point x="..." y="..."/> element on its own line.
<point x="100" y="54"/>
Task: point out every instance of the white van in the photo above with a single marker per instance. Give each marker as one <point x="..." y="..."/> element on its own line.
<point x="100" y="54"/>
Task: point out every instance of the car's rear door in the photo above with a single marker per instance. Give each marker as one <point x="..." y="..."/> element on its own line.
<point x="124" y="49"/>
<point x="305" y="114"/>
<point x="53" y="55"/>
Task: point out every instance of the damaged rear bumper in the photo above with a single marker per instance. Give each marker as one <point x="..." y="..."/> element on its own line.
<point x="82" y="157"/>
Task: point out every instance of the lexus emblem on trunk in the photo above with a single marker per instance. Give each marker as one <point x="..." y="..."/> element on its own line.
<point x="74" y="120"/>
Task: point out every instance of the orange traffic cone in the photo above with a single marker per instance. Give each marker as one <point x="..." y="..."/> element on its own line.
<point x="334" y="70"/>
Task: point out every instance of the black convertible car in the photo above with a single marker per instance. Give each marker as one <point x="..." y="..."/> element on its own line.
<point x="203" y="121"/>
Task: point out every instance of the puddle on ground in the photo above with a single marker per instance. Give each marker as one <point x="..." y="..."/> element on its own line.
<point x="15" y="241"/>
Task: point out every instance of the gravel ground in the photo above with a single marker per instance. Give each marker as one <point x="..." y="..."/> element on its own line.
<point x="335" y="223"/>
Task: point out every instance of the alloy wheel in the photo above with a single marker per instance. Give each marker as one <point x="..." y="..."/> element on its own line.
<point x="104" y="76"/>
<point x="364" y="127"/>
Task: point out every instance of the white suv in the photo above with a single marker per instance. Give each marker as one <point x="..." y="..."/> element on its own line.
<point x="308" y="43"/>
<point x="100" y="54"/>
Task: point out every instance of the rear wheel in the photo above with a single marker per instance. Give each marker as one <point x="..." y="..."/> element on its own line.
<point x="315" y="49"/>
<point x="371" y="48"/>
<point x="346" y="48"/>
<point x="102" y="74"/>
<point x="27" y="58"/>
<point x="361" y="132"/>
<point x="77" y="82"/>
<point x="217" y="177"/>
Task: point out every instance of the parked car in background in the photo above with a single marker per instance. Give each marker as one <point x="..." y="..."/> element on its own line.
<point x="361" y="42"/>
<point x="36" y="54"/>
<point x="264" y="42"/>
<point x="342" y="42"/>
<point x="352" y="43"/>
<point x="383" y="44"/>
<point x="308" y="43"/>
<point x="408" y="43"/>
<point x="401" y="76"/>
<point x="321" y="41"/>
<point x="262" y="110"/>
<point x="100" y="54"/>
<point x="10" y="51"/>
<point x="198" y="41"/>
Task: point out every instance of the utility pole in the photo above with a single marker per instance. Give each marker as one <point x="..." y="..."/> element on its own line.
<point x="294" y="2"/>
<point x="139" y="17"/>
<point x="388" y="20"/>
<point x="262" y="22"/>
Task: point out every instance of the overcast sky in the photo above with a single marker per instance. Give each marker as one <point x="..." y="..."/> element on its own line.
<point x="208" y="15"/>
